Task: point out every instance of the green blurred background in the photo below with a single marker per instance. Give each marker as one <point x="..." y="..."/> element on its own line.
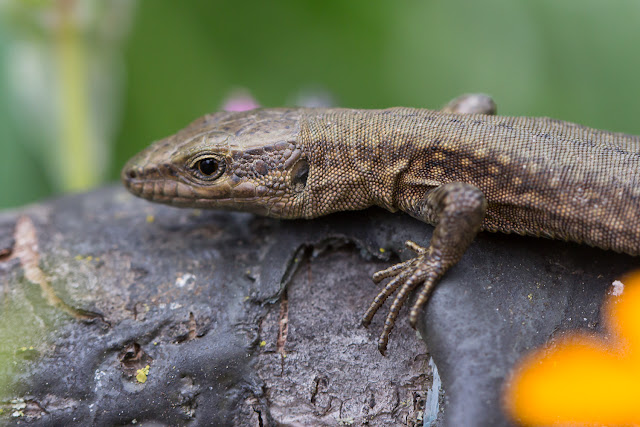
<point x="85" y="84"/>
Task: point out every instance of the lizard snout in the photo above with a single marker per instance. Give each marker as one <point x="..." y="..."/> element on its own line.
<point x="134" y="176"/>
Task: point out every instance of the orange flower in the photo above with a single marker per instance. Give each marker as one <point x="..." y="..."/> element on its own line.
<point x="585" y="379"/>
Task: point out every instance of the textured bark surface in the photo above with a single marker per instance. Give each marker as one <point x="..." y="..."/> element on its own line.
<point x="96" y="287"/>
<point x="100" y="285"/>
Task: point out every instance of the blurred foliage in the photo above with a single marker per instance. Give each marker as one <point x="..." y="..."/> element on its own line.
<point x="62" y="74"/>
<point x="574" y="59"/>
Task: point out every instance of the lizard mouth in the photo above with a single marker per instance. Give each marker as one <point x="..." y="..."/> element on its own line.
<point x="164" y="191"/>
<point x="158" y="184"/>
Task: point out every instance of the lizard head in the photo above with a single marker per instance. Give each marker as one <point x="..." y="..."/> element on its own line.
<point x="246" y="161"/>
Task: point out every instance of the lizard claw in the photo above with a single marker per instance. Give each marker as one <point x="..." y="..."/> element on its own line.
<point x="406" y="276"/>
<point x="419" y="250"/>
<point x="395" y="269"/>
<point x="392" y="271"/>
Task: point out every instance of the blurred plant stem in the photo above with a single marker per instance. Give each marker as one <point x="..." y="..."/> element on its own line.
<point x="76" y="142"/>
<point x="65" y="78"/>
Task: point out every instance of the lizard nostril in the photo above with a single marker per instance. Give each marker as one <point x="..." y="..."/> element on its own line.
<point x="169" y="170"/>
<point x="131" y="174"/>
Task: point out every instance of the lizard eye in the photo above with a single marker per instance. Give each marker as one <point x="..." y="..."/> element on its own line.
<point x="208" y="167"/>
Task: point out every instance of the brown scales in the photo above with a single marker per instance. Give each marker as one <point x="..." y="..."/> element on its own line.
<point x="460" y="172"/>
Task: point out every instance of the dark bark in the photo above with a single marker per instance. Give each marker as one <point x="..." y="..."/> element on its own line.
<point x="116" y="284"/>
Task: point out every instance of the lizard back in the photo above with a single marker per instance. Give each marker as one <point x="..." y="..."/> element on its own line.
<point x="540" y="176"/>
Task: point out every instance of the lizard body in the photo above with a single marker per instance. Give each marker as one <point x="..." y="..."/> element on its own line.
<point x="460" y="172"/>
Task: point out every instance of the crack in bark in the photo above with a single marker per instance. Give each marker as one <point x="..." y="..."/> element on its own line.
<point x="283" y="324"/>
<point x="192" y="327"/>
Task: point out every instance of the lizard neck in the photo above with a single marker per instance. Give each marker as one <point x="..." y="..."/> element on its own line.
<point x="359" y="158"/>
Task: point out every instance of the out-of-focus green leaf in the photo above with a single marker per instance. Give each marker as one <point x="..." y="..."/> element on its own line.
<point x="572" y="59"/>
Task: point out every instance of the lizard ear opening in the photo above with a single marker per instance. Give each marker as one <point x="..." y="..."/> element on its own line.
<point x="299" y="175"/>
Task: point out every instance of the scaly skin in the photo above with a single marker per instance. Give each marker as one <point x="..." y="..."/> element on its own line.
<point x="460" y="172"/>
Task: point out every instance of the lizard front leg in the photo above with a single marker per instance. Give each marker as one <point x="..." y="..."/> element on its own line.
<point x="458" y="210"/>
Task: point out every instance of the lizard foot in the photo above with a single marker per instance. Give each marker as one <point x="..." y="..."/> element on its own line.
<point x="405" y="276"/>
<point x="458" y="210"/>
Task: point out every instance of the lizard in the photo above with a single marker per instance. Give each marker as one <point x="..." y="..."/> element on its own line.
<point x="462" y="169"/>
